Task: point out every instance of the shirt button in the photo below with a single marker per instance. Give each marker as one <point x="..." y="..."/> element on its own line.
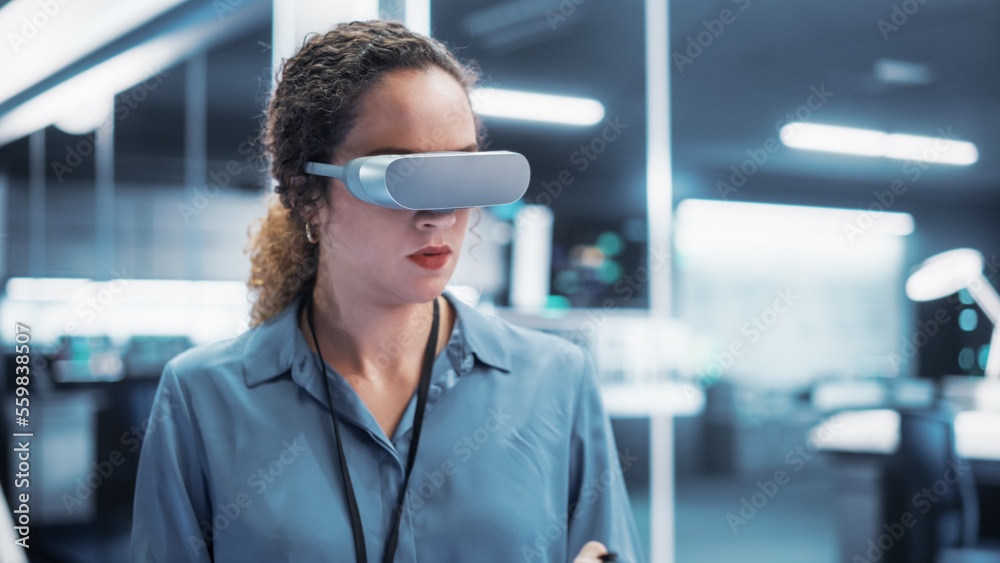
<point x="435" y="390"/>
<point x="467" y="363"/>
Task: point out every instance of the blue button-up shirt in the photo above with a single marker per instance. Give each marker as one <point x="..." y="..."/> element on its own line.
<point x="517" y="461"/>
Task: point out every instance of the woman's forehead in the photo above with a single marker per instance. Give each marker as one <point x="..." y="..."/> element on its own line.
<point x="418" y="110"/>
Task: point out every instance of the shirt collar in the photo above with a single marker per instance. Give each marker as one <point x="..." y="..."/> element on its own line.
<point x="276" y="344"/>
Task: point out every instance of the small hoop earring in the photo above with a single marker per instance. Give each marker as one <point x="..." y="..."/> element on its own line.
<point x="310" y="236"/>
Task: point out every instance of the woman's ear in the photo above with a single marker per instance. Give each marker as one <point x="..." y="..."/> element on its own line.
<point x="314" y="210"/>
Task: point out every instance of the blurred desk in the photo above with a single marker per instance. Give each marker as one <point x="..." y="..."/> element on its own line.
<point x="876" y="431"/>
<point x="660" y="402"/>
<point x="658" y="399"/>
<point x="883" y="456"/>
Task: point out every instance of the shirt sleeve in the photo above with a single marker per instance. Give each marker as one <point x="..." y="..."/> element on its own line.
<point x="599" y="507"/>
<point x="171" y="491"/>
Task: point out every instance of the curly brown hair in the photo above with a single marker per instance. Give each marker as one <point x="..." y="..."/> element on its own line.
<point x="314" y="106"/>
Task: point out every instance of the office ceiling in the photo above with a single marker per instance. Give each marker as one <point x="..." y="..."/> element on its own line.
<point x="725" y="100"/>
<point x="753" y="65"/>
<point x="765" y="63"/>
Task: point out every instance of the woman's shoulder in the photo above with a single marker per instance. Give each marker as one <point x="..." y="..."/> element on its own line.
<point x="262" y="347"/>
<point x="536" y="343"/>
<point x="219" y="355"/>
<point x="219" y="359"/>
<point x="539" y="371"/>
<point x="522" y="348"/>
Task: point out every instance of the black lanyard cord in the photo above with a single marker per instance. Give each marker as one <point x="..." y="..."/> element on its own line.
<point x="418" y="422"/>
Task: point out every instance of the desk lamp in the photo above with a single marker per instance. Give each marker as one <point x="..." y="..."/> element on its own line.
<point x="948" y="272"/>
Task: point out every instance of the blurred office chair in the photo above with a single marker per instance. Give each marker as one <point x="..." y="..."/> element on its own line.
<point x="931" y="482"/>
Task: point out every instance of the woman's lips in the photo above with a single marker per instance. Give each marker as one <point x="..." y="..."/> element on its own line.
<point x="430" y="261"/>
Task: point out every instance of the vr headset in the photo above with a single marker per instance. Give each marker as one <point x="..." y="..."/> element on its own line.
<point x="442" y="181"/>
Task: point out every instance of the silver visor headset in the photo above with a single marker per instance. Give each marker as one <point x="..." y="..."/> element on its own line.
<point x="442" y="181"/>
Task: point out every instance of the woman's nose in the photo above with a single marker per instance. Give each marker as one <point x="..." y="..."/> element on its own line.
<point x="435" y="219"/>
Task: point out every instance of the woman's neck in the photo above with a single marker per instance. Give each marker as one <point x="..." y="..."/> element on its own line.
<point x="374" y="341"/>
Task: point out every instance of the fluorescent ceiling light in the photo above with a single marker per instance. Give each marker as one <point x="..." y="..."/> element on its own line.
<point x="98" y="84"/>
<point x="833" y="139"/>
<point x="530" y="106"/>
<point x="889" y="71"/>
<point x="864" y="142"/>
<point x="88" y="116"/>
<point x="738" y="215"/>
<point x="41" y="38"/>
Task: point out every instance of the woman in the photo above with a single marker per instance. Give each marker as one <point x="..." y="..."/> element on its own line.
<point x="488" y="442"/>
